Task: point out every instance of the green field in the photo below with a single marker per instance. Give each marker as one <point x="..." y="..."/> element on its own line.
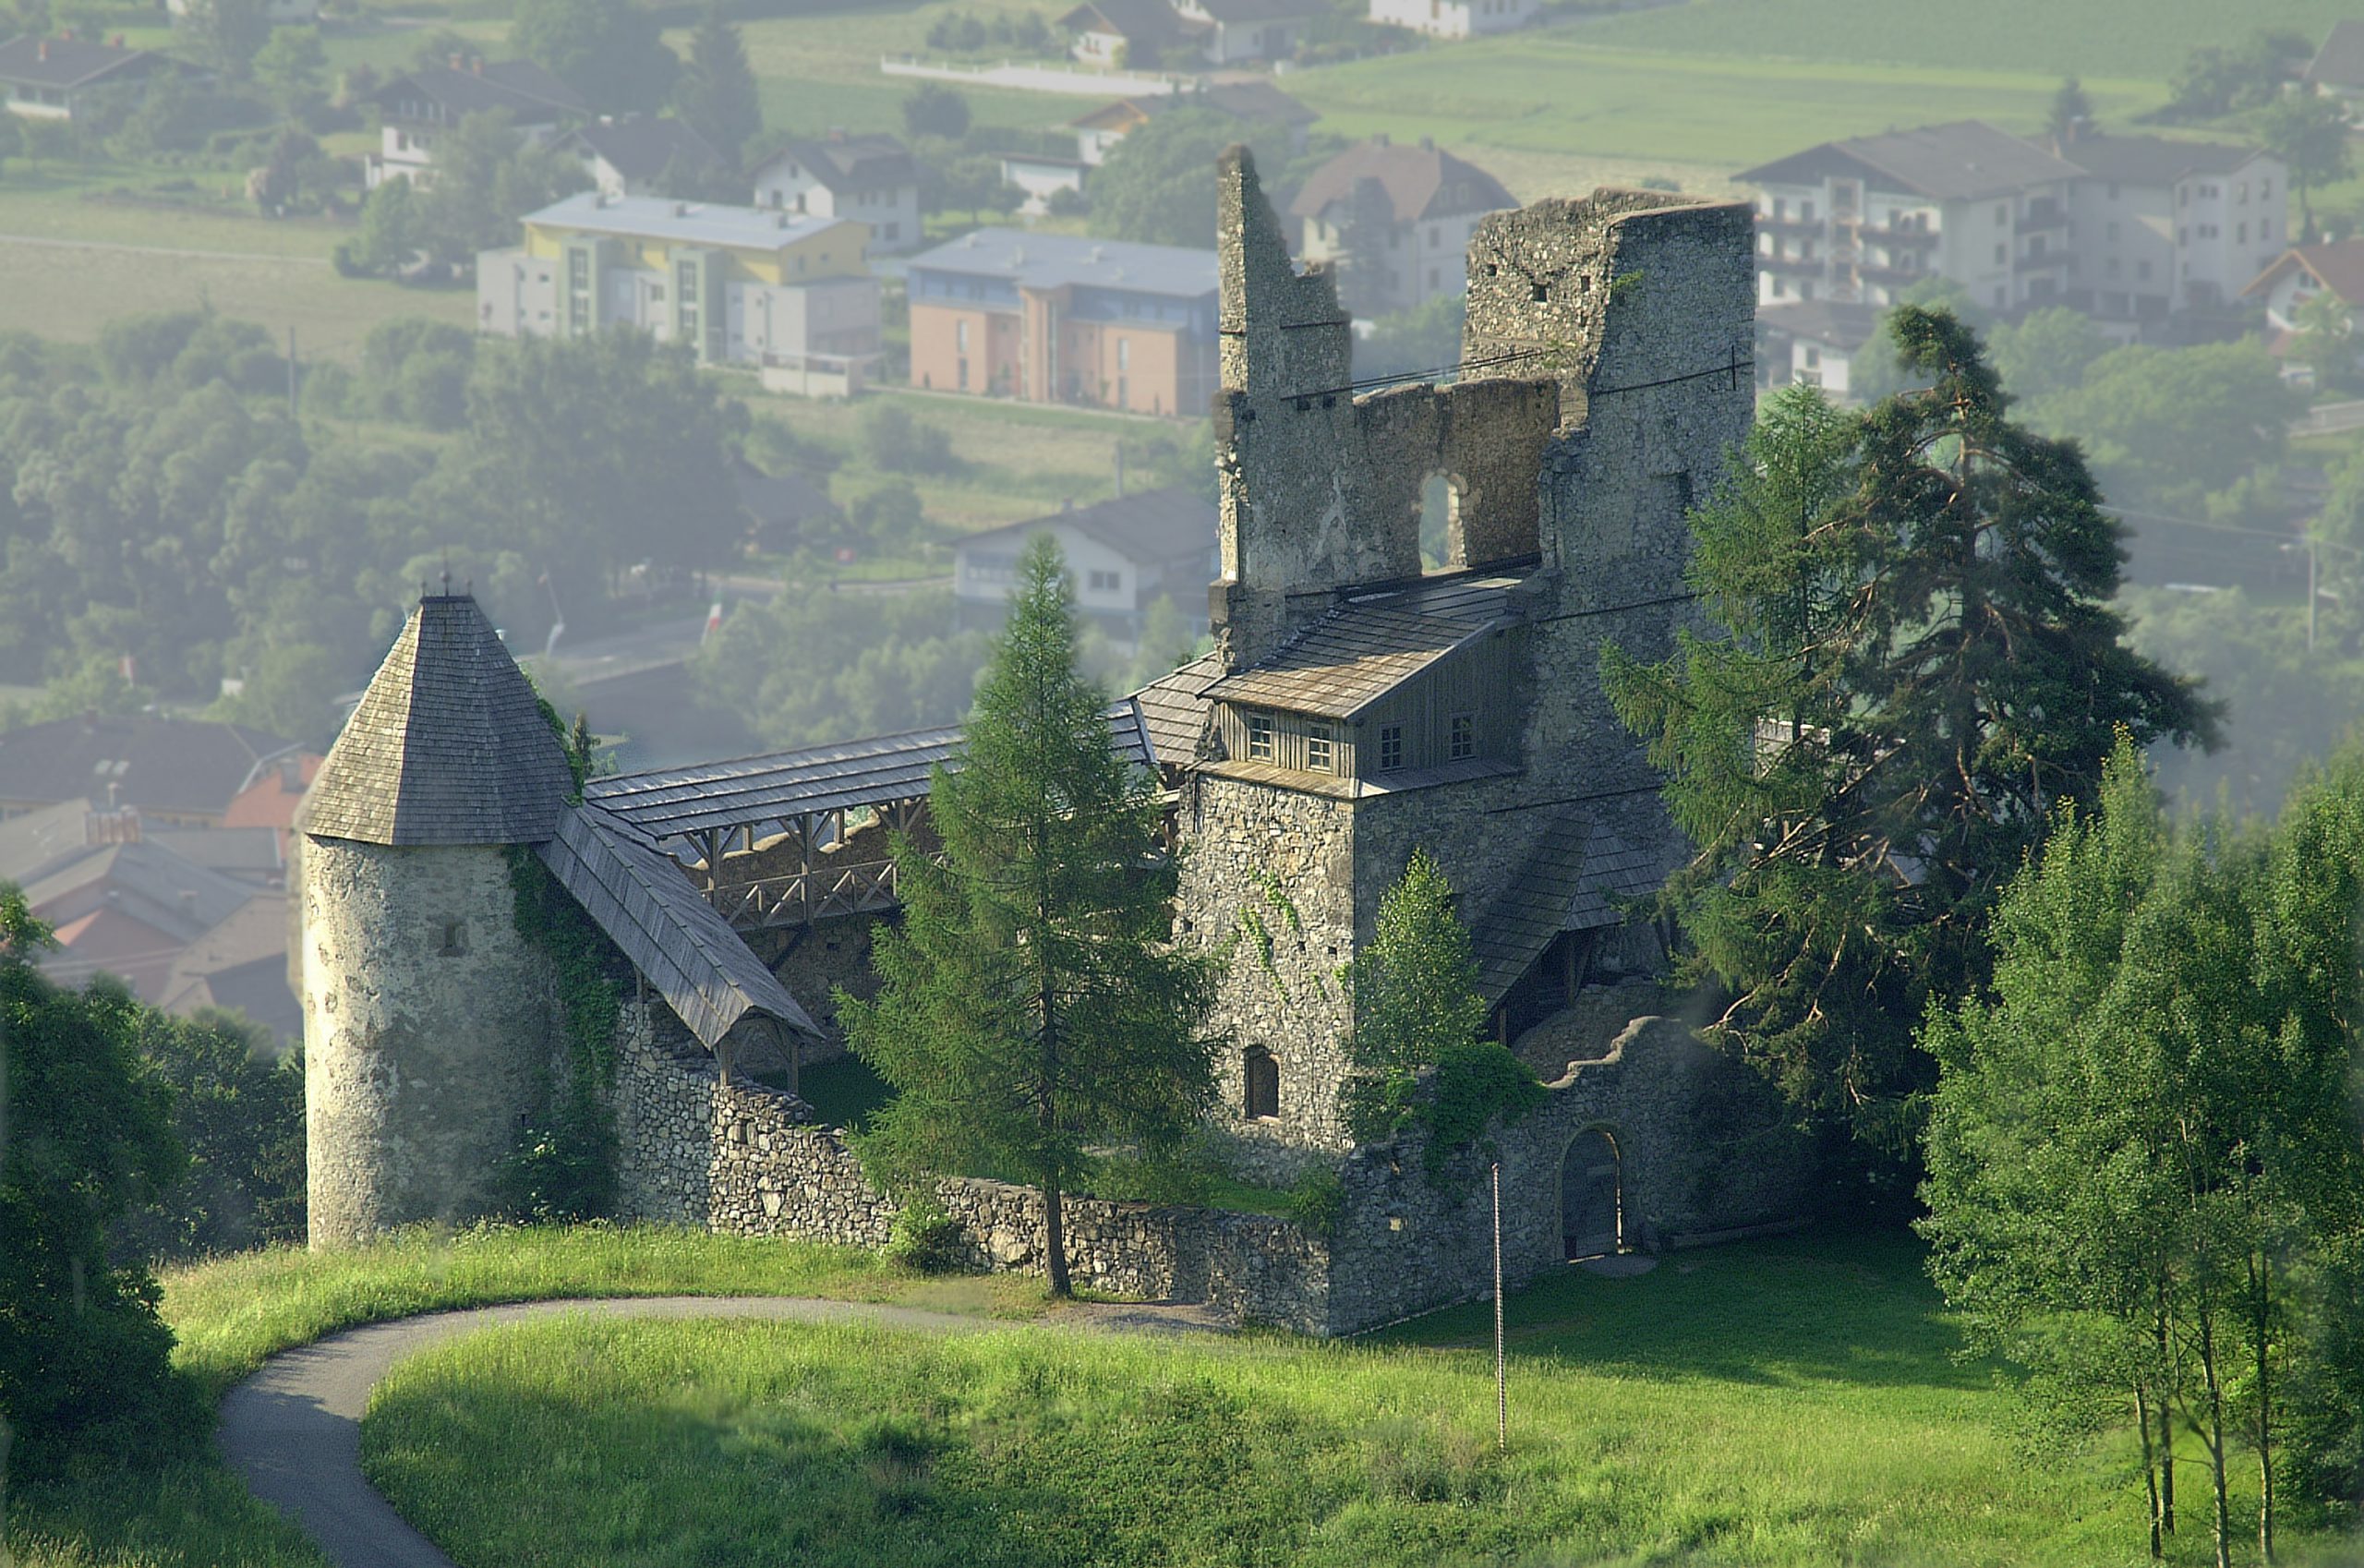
<point x="2048" y="37"/>
<point x="1781" y="1402"/>
<point x="1557" y="98"/>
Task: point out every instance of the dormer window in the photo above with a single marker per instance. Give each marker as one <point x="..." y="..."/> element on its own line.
<point x="1391" y="747"/>
<point x="1320" y="752"/>
<point x="1461" y="737"/>
<point x="1260" y="737"/>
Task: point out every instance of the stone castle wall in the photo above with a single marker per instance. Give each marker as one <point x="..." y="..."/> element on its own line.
<point x="749" y="1160"/>
<point x="429" y="1024"/>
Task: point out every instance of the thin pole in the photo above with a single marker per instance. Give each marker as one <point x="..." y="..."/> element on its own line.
<point x="2310" y="593"/>
<point x="1501" y="1389"/>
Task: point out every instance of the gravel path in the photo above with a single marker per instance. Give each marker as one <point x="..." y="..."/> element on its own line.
<point x="293" y="1428"/>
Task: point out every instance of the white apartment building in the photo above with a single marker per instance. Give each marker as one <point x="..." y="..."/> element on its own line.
<point x="1863" y="220"/>
<point x="1455" y="19"/>
<point x="1396" y="221"/>
<point x="2126" y="228"/>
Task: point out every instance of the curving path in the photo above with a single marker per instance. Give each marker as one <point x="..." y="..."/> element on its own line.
<point x="293" y="1428"/>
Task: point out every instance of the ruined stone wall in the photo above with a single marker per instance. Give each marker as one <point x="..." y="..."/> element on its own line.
<point x="428" y="1026"/>
<point x="1246" y="840"/>
<point x="1703" y="1148"/>
<point x="749" y="1160"/>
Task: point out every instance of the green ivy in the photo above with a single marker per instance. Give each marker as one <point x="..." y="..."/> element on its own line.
<point x="563" y="1165"/>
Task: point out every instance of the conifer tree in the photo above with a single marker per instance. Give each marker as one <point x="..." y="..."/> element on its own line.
<point x="715" y="92"/>
<point x="1033" y="1019"/>
<point x="1918" y="660"/>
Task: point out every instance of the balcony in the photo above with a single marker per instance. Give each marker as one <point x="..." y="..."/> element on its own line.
<point x="2043" y="215"/>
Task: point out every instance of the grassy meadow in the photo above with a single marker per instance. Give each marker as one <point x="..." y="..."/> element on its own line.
<point x="185" y="1512"/>
<point x="1780" y="1403"/>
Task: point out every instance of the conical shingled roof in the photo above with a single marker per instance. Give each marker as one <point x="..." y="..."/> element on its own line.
<point x="447" y="746"/>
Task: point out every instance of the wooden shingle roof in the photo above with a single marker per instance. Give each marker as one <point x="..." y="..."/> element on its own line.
<point x="1370" y="645"/>
<point x="1175" y="708"/>
<point x="651" y="911"/>
<point x="783" y="785"/>
<point x="1573" y="882"/>
<point x="447" y="746"/>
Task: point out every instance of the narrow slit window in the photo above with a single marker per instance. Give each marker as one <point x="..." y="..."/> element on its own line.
<point x="1260" y="1085"/>
<point x="455" y="939"/>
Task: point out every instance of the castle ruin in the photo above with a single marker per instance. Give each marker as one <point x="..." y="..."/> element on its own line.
<point x="1361" y="702"/>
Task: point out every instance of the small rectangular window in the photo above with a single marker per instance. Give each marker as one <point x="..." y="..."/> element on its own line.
<point x="1391" y="747"/>
<point x="455" y="939"/>
<point x="1260" y="737"/>
<point x="1320" y="755"/>
<point x="1461" y="737"/>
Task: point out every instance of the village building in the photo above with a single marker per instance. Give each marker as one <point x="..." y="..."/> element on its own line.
<point x="1145" y="35"/>
<point x="1455" y="18"/>
<point x="2128" y="229"/>
<point x="55" y="78"/>
<point x="418" y="108"/>
<point x="2337" y="69"/>
<point x="1395" y="222"/>
<point x="870" y="180"/>
<point x="1254" y="103"/>
<point x="1816" y="342"/>
<point x="1063" y="319"/>
<point x="1124" y="554"/>
<point x="175" y="772"/>
<point x="638" y="154"/>
<point x="2298" y="278"/>
<point x="741" y="285"/>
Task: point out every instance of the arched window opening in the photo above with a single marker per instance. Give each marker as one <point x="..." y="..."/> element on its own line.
<point x="1260" y="1084"/>
<point x="1592" y="1196"/>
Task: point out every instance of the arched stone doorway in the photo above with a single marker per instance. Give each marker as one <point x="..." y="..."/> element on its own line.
<point x="1592" y="1195"/>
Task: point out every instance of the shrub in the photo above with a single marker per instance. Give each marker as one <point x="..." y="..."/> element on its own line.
<point x="926" y="1239"/>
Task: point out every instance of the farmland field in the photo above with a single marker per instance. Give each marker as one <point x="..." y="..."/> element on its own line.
<point x="2046" y="38"/>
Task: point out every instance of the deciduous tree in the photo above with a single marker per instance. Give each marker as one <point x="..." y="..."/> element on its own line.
<point x="2309" y="133"/>
<point x="1034" y="1016"/>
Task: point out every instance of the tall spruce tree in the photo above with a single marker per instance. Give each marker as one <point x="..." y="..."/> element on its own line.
<point x="1917" y="661"/>
<point x="1033" y="1019"/>
<point x="715" y="92"/>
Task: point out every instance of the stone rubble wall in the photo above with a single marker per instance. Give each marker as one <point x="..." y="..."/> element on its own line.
<point x="746" y="1160"/>
<point x="1703" y="1146"/>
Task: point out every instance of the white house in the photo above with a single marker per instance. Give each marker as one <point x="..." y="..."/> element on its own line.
<point x="870" y="180"/>
<point x="1455" y="18"/>
<point x="1255" y="104"/>
<point x="418" y="108"/>
<point x="1815" y="344"/>
<point x="1041" y="177"/>
<point x="1124" y="556"/>
<point x="2299" y="276"/>
<point x="1396" y="221"/>
<point x="1219" y="33"/>
<point x="51" y="79"/>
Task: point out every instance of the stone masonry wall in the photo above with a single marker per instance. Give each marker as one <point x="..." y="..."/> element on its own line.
<point x="749" y="1160"/>
<point x="428" y="1023"/>
<point x="1246" y="840"/>
<point x="1702" y="1146"/>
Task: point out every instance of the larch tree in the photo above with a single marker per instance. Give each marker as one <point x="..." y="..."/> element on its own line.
<point x="1034" y="1018"/>
<point x="1915" y="652"/>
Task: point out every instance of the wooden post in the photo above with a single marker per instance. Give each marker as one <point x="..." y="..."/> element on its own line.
<point x="1502" y="1388"/>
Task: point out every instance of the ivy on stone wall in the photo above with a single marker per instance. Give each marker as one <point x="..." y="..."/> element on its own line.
<point x="563" y="1165"/>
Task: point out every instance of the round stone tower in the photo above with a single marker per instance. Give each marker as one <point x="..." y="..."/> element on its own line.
<point x="428" y="1023"/>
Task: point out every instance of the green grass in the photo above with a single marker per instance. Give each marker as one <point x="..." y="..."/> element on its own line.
<point x="1561" y="96"/>
<point x="233" y="1313"/>
<point x="2093" y="38"/>
<point x="1790" y="1402"/>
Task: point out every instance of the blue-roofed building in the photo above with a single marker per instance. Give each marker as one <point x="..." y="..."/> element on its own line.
<point x="1063" y="319"/>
